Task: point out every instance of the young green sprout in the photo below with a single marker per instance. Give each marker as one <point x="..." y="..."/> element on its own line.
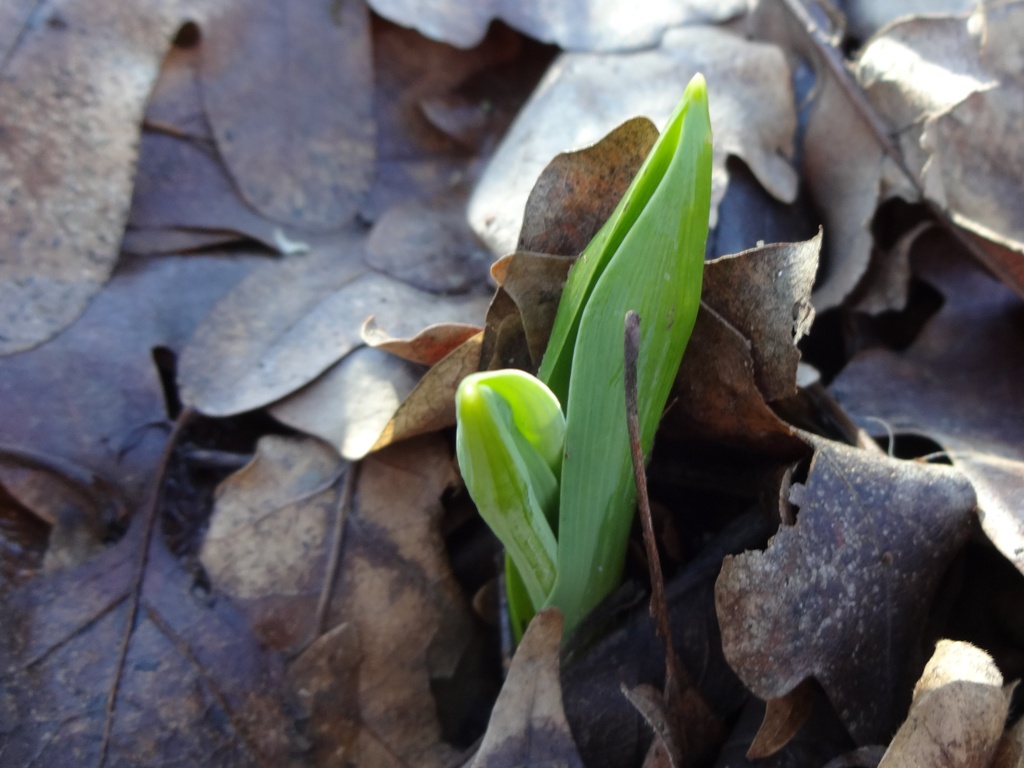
<point x="565" y="523"/>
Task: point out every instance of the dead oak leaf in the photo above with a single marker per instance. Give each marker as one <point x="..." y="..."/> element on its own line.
<point x="959" y="385"/>
<point x="841" y="595"/>
<point x="195" y="686"/>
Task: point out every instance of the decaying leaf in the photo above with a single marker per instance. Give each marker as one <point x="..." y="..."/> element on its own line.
<point x="841" y="595"/>
<point x="577" y="191"/>
<point x="580" y="25"/>
<point x="431" y="404"/>
<point x="958" y="713"/>
<point x="583" y="96"/>
<point x="394" y="594"/>
<point x="783" y="718"/>
<point x="269" y="536"/>
<point x="528" y="725"/>
<point x="951" y="86"/>
<point x="428" y="245"/>
<point x="427" y="347"/>
<point x="311" y="62"/>
<point x="743" y="351"/>
<point x="958" y="384"/>
<point x="195" y="681"/>
<point x="67" y="182"/>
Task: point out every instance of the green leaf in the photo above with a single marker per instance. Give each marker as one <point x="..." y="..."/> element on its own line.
<point x="649" y="257"/>
<point x="509" y="445"/>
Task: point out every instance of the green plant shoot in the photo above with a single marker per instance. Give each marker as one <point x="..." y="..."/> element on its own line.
<point x="509" y="444"/>
<point x="648" y="257"/>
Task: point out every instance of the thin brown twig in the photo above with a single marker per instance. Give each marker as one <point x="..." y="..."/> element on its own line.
<point x="152" y="514"/>
<point x="659" y="606"/>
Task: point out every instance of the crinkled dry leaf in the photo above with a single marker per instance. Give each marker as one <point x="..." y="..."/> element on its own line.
<point x="522" y="312"/>
<point x="841" y="595"/>
<point x="577" y="191"/>
<point x="583" y="96"/>
<point x="427" y="347"/>
<point x="261" y="60"/>
<point x="528" y="725"/>
<point x="67" y="181"/>
<point x="195" y="685"/>
<point x="842" y="159"/>
<point x="431" y="404"/>
<point x="783" y="719"/>
<point x="735" y="363"/>
<point x="267" y="545"/>
<point x="352" y="402"/>
<point x="958" y="384"/>
<point x="951" y="87"/>
<point x="764" y="293"/>
<point x="93" y="396"/>
<point x="580" y="25"/>
<point x="958" y="712"/>
<point x="175" y="106"/>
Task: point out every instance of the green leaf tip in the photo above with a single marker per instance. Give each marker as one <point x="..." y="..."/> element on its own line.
<point x="656" y="238"/>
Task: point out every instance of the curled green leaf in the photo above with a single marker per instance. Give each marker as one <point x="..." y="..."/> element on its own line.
<point x="509" y="445"/>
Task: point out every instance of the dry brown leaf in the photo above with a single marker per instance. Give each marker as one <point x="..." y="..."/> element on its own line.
<point x="269" y="536"/>
<point x="427" y="347"/>
<point x="394" y="604"/>
<point x="68" y="182"/>
<point x="843" y="162"/>
<point x="431" y="404"/>
<point x="261" y="60"/>
<point x="580" y="25"/>
<point x="959" y="384"/>
<point x="577" y="191"/>
<point x="583" y="96"/>
<point x="958" y="712"/>
<point x="764" y="293"/>
<point x="735" y="363"/>
<point x="841" y="595"/>
<point x="195" y="685"/>
<point x="528" y="725"/>
<point x="783" y="718"/>
<point x="93" y="395"/>
<point x="522" y="312"/>
<point x="352" y="402"/>
<point x="416" y="159"/>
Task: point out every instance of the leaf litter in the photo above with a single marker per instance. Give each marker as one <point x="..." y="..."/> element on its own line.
<point x="303" y="169"/>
